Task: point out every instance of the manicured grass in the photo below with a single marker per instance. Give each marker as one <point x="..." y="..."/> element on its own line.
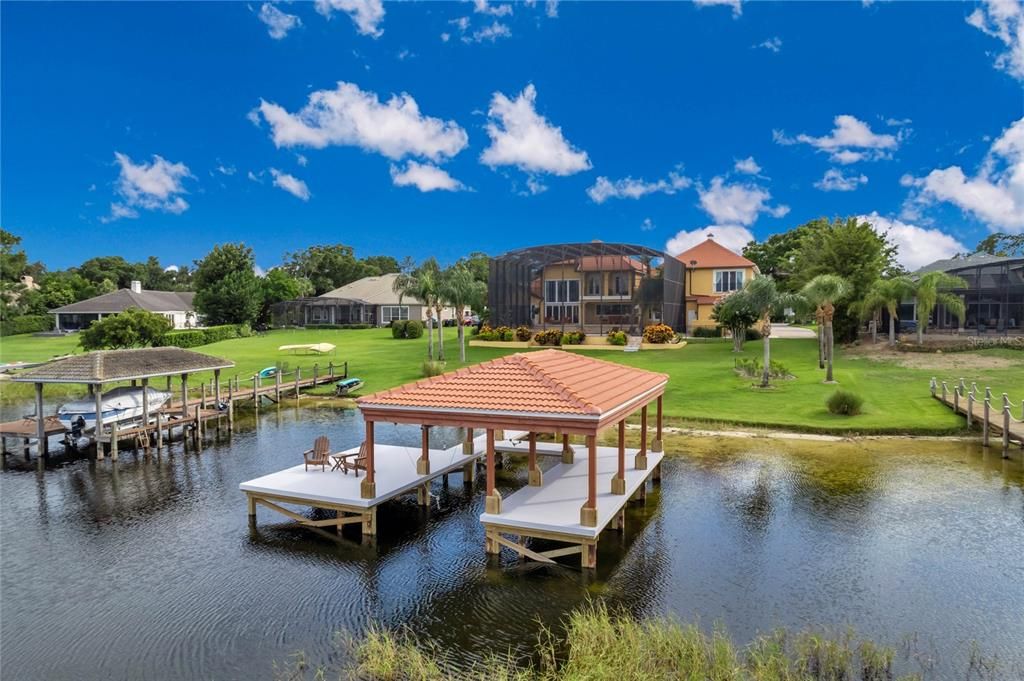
<point x="702" y="388"/>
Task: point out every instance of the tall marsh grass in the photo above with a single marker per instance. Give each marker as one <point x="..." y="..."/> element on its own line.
<point x="598" y="645"/>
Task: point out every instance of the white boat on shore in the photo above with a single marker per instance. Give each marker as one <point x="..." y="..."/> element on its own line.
<point x="119" y="404"/>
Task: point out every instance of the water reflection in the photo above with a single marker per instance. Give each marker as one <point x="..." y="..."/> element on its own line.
<point x="148" y="567"/>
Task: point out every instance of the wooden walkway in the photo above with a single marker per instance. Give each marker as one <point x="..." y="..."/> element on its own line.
<point x="994" y="415"/>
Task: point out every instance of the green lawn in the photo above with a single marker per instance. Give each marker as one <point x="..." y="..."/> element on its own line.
<point x="702" y="389"/>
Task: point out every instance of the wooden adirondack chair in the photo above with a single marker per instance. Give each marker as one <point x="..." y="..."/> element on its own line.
<point x="319" y="455"/>
<point x="355" y="461"/>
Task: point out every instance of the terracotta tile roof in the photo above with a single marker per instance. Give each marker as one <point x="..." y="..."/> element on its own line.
<point x="608" y="263"/>
<point x="104" y="366"/>
<point x="540" y="382"/>
<point x="712" y="254"/>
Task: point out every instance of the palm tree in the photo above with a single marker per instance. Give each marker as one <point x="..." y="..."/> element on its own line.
<point x="928" y="293"/>
<point x="766" y="299"/>
<point x="887" y="294"/>
<point x="824" y="291"/>
<point x="421" y="285"/>
<point x="460" y="289"/>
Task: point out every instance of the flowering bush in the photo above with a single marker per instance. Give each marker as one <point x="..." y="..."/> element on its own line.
<point x="549" y="337"/>
<point x="617" y="337"/>
<point x="523" y="333"/>
<point x="573" y="337"/>
<point x="659" y="333"/>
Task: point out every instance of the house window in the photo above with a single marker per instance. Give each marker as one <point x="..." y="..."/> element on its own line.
<point x="562" y="291"/>
<point x="594" y="284"/>
<point x="728" y="280"/>
<point x="389" y="313"/>
<point x="620" y="285"/>
<point x="568" y="314"/>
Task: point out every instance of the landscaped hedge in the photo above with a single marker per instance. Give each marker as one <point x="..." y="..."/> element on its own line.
<point x="340" y="326"/>
<point x="573" y="337"/>
<point x="658" y="333"/>
<point x="549" y="337"/>
<point x="523" y="333"/>
<point x="192" y="338"/>
<point x="401" y="328"/>
<point x="969" y="344"/>
<point x="502" y="333"/>
<point x="30" y="323"/>
<point x="616" y="337"/>
<point x="707" y="332"/>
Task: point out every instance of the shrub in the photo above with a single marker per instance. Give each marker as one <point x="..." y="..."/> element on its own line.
<point x="707" y="332"/>
<point x="752" y="368"/>
<point x="414" y="329"/>
<point x="845" y="403"/>
<point x="30" y="323"/>
<point x="341" y="326"/>
<point x="133" y="328"/>
<point x="398" y="328"/>
<point x="503" y="333"/>
<point x="753" y="335"/>
<point x="549" y="337"/>
<point x="523" y="333"/>
<point x="572" y="338"/>
<point x="432" y="368"/>
<point x="485" y="333"/>
<point x="616" y="337"/>
<point x="191" y="338"/>
<point x="659" y="333"/>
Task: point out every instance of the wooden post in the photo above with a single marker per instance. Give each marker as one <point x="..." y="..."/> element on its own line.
<point x="199" y="427"/>
<point x="277" y="386"/>
<point x="970" y="408"/>
<point x="492" y="502"/>
<point x="316" y="373"/>
<point x="567" y="450"/>
<point x="945" y="390"/>
<point x="467" y="444"/>
<point x="368" y="487"/>
<point x="619" y="481"/>
<point x="423" y="463"/>
<point x="469" y="470"/>
<point x="536" y="476"/>
<point x="641" y="458"/>
<point x="113" y="441"/>
<point x="657" y="445"/>
<point x="956" y="399"/>
<point x="588" y="514"/>
<point x="934" y="386"/>
<point x="251" y="502"/>
<point x="985" y="423"/>
<point x="1006" y="431"/>
<point x="98" y="429"/>
<point x="216" y="387"/>
<point x="255" y="390"/>
<point x="184" y="396"/>
<point x="159" y="431"/>
<point x="298" y="374"/>
<point x="42" y="444"/>
<point x="168" y="384"/>
<point x="330" y="370"/>
<point x="231" y="408"/>
<point x="202" y="394"/>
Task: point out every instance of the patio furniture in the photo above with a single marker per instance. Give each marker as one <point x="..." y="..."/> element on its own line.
<point x="318" y="456"/>
<point x="355" y="461"/>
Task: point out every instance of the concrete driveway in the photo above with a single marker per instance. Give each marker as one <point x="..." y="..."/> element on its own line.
<point x="787" y="331"/>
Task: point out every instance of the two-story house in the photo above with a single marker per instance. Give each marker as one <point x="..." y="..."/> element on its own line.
<point x="593" y="292"/>
<point x="712" y="271"/>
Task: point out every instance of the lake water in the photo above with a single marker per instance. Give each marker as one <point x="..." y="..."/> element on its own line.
<point x="149" y="569"/>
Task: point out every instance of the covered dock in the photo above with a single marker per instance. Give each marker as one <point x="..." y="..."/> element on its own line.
<point x="135" y="367"/>
<point x="545" y="392"/>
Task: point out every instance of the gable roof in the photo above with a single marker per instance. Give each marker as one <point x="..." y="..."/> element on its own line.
<point x="122" y="299"/>
<point x="371" y="291"/>
<point x="710" y="253"/>
<point x="968" y="261"/>
<point x="545" y="383"/>
<point x="105" y="366"/>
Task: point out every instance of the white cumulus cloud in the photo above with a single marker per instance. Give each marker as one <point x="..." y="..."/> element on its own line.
<point x="747" y="166"/>
<point x="488" y="33"/>
<point x="1003" y="20"/>
<point x="156" y="185"/>
<point x="773" y="44"/>
<point x="424" y="176"/>
<point x="551" y="8"/>
<point x="278" y="22"/>
<point x="290" y="184"/>
<point x="737" y="203"/>
<point x="485" y="7"/>
<point x="631" y="188"/>
<point x="367" y="14"/>
<point x="835" y="181"/>
<point x="916" y="246"/>
<point x="349" y="116"/>
<point x="995" y="194"/>
<point x="737" y="8"/>
<point x="733" y="237"/>
<point x="851" y="140"/>
<point x="523" y="138"/>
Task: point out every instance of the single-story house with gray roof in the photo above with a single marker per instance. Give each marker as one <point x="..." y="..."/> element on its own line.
<point x="175" y="305"/>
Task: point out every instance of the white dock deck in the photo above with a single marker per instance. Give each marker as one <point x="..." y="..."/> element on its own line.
<point x="554" y="507"/>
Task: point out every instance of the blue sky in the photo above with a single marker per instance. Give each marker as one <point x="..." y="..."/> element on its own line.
<point x="437" y="128"/>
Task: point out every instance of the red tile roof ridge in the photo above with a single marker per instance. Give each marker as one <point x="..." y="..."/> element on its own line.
<point x="524" y="359"/>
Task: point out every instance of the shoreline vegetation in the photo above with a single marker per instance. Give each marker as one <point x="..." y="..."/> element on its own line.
<point x="597" y="644"/>
<point x="704" y="394"/>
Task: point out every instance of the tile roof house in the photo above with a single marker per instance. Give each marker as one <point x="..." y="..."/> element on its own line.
<point x="175" y="305"/>
<point x="993" y="298"/>
<point x="712" y="271"/>
<point x="370" y="300"/>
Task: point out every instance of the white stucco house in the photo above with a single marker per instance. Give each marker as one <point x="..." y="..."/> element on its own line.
<point x="175" y="305"/>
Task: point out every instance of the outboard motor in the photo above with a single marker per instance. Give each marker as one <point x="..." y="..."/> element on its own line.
<point x="77" y="427"/>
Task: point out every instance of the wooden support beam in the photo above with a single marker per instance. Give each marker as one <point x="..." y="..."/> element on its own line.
<point x="184" y="395"/>
<point x="98" y="429"/>
<point x="567" y="551"/>
<point x="159" y="431"/>
<point x="368" y="487"/>
<point x="567" y="451"/>
<point x="536" y="476"/>
<point x="619" y="479"/>
<point x="42" y="442"/>
<point x="216" y="388"/>
<point x="657" y="445"/>
<point x="588" y="513"/>
<point x="492" y="502"/>
<point x="588" y="559"/>
<point x="522" y="550"/>
<point x="641" y="458"/>
<point x="370" y="522"/>
<point x="114" y="436"/>
<point x="423" y="463"/>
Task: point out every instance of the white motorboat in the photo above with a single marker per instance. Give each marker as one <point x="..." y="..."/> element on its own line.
<point x="119" y="404"/>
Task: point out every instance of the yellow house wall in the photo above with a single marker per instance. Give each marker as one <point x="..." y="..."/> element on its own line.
<point x="701" y="282"/>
